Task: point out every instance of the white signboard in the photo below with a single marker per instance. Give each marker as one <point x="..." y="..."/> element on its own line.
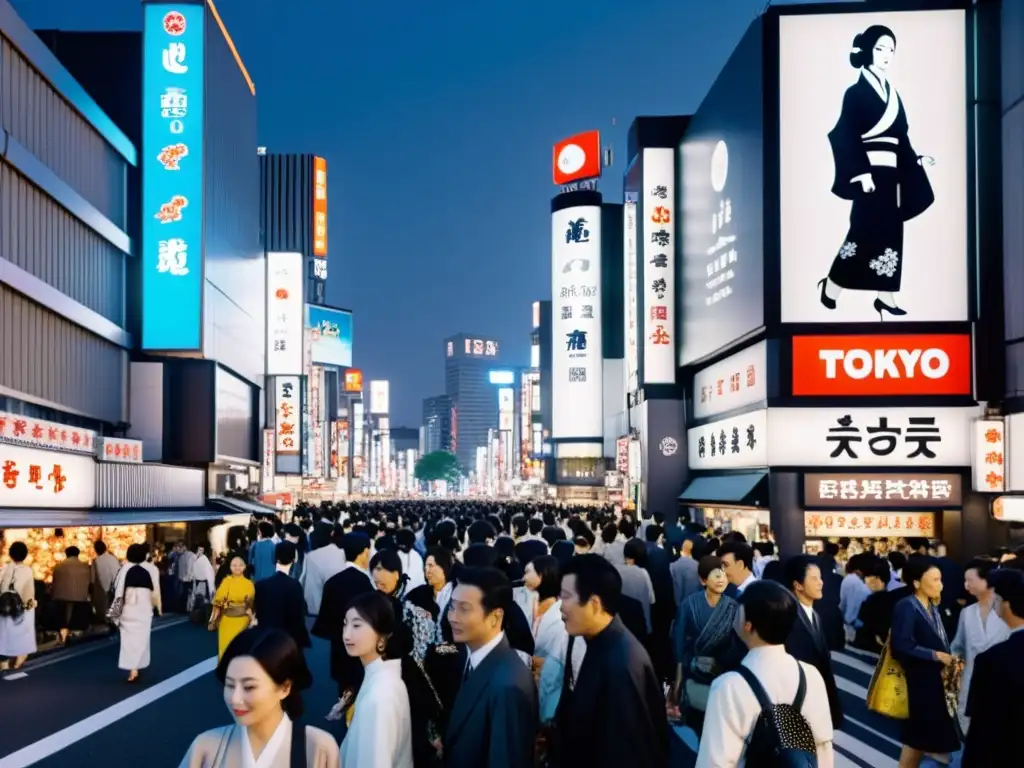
<point x="267" y="470"/>
<point x="30" y="477"/>
<point x="737" y="381"/>
<point x="1014" y="436"/>
<point x="659" y="270"/>
<point x="852" y="523"/>
<point x="873" y="217"/>
<point x="316" y="464"/>
<point x="738" y="442"/>
<point x="577" y="373"/>
<point x="988" y="457"/>
<point x="871" y="437"/>
<point x="285" y="321"/>
<point x="49" y="435"/>
<point x="629" y="234"/>
<point x="287" y="401"/>
<point x="506" y="409"/>
<point x="119" y="449"/>
<point x="380" y="397"/>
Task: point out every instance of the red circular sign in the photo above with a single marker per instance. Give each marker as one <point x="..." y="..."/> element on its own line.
<point x="174" y="23"/>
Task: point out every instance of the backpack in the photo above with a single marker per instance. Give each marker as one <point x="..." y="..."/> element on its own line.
<point x="781" y="737"/>
<point x="11" y="604"/>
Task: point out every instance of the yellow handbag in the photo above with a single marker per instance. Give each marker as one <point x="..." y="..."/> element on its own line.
<point x="887" y="694"/>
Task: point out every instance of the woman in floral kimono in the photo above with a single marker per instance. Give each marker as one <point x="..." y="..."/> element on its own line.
<point x="878" y="170"/>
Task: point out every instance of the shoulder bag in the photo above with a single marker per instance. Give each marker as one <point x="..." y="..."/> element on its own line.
<point x="887" y="693"/>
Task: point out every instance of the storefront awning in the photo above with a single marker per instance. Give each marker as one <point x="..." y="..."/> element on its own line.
<point x="241" y="506"/>
<point x="748" y="489"/>
<point x="70" y="518"/>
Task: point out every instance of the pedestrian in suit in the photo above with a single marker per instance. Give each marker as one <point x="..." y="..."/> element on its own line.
<point x="493" y="721"/>
<point x="807" y="641"/>
<point x="279" y="602"/>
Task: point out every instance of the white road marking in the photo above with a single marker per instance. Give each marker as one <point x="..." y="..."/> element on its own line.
<point x="858" y="749"/>
<point x="15" y="676"/>
<point x="65" y="737"/>
<point x="850" y="687"/>
<point x="853" y="663"/>
<point x="871" y="730"/>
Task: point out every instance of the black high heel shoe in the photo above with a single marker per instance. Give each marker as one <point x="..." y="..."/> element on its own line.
<point x="881" y="306"/>
<point x="825" y="300"/>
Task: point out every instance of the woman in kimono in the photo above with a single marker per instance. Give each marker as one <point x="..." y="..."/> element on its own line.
<point x="263" y="673"/>
<point x="878" y="170"/>
<point x="132" y="611"/>
<point x="380" y="735"/>
<point x="702" y="638"/>
<point x="232" y="606"/>
<point x="18" y="632"/>
<point x="980" y="628"/>
<point x="919" y="643"/>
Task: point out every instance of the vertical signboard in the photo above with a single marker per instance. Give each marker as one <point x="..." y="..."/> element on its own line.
<point x="506" y="409"/>
<point x="316" y="423"/>
<point x="284" y="314"/>
<point x="320" y="207"/>
<point x="577" y="372"/>
<point x="267" y="470"/>
<point x="288" y="425"/>
<point x="172" y="177"/>
<point x="380" y="396"/>
<point x="629" y="233"/>
<point x="659" y="270"/>
<point x="988" y="456"/>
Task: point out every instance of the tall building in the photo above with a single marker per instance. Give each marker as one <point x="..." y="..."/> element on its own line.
<point x="468" y="359"/>
<point x="437" y="423"/>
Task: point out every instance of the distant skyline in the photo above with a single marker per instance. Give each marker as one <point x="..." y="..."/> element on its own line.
<point x="437" y="123"/>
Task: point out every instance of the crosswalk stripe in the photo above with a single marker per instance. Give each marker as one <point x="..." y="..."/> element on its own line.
<point x="859" y="749"/>
<point x="872" y="731"/>
<point x="854" y="663"/>
<point x="851" y="687"/>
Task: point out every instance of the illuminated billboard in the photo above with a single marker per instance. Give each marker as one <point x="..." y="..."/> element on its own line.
<point x="284" y="314"/>
<point x="502" y="377"/>
<point x="480" y="348"/>
<point x="353" y="380"/>
<point x="320" y="208"/>
<point x="506" y="409"/>
<point x="288" y="425"/>
<point x="172" y="176"/>
<point x="331" y="331"/>
<point x="380" y="396"/>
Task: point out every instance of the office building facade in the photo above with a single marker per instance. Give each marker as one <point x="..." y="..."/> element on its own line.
<point x="468" y="359"/>
<point x="437" y="424"/>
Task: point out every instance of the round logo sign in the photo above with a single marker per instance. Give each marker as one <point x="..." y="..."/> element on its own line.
<point x="174" y="23"/>
<point x="571" y="158"/>
<point x="719" y="166"/>
<point x="668" y="446"/>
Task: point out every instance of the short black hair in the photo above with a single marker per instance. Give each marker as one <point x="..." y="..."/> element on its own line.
<point x="795" y="569"/>
<point x="897" y="560"/>
<point x="707" y="564"/>
<point x="549" y="572"/>
<point x="265" y="529"/>
<point x="596" y="577"/>
<point x="635" y="550"/>
<point x="282" y="660"/>
<point x="1009" y="585"/>
<point x="494" y="586"/>
<point x="72" y="551"/>
<point x="406" y="539"/>
<point x="284" y="553"/>
<point x="740" y="550"/>
<point x="771" y="610"/>
<point x="354" y="545"/>
<point x="480" y="531"/>
<point x="627" y="527"/>
<point x="653" y="532"/>
<point x="831" y="548"/>
<point x="99" y="547"/>
<point x="18" y="551"/>
<point x="443" y="558"/>
<point x="984" y="566"/>
<point x="609" y="533"/>
<point x="535" y="525"/>
<point x="880" y="569"/>
<point x="388" y="560"/>
<point x="915" y="569"/>
<point x="135" y="554"/>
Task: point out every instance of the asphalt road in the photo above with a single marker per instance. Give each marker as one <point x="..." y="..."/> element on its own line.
<point x="74" y="708"/>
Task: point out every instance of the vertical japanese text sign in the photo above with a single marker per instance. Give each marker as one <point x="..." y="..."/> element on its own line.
<point x="172" y="176"/>
<point x="319" y="207"/>
<point x="659" y="253"/>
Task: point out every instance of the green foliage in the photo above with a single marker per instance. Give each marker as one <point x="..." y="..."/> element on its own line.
<point x="438" y="465"/>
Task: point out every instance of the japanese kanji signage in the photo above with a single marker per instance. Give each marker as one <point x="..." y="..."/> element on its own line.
<point x="737" y="381"/>
<point x="659" y="266"/>
<point x="622" y="455"/>
<point x="989" y="456"/>
<point x="885" y="491"/>
<point x="629" y="270"/>
<point x="353" y="380"/>
<point x="872" y="524"/>
<point x="285" y="317"/>
<point x="319" y="207"/>
<point x="267" y="469"/>
<point x="119" y="449"/>
<point x="30" y="477"/>
<point x="738" y="442"/>
<point x="577" y="385"/>
<point x="37" y="433"/>
<point x="288" y="424"/>
<point x="171" y="161"/>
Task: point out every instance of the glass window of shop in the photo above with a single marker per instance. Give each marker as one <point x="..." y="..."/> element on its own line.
<point x="753" y="523"/>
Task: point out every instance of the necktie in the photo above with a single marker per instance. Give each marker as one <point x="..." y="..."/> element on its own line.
<point x="467" y="672"/>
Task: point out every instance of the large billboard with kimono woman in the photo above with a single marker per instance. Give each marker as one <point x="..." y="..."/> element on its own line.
<point x="873" y="167"/>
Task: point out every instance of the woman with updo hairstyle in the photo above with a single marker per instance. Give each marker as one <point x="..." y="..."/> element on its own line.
<point x="263" y="672"/>
<point x="380" y="734"/>
<point x="878" y="170"/>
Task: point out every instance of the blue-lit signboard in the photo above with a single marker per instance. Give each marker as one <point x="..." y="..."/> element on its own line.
<point x="331" y="331"/>
<point x="502" y="378"/>
<point x="172" y="176"/>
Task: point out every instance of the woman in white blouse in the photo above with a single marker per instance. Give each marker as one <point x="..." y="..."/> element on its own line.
<point x="979" y="629"/>
<point x="263" y="672"/>
<point x="380" y="735"/>
<point x="18" y="631"/>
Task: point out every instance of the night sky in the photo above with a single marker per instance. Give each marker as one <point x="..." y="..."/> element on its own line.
<point x="437" y="121"/>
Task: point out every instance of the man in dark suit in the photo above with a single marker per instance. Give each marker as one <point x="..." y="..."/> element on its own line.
<point x="493" y="721"/>
<point x="994" y="703"/>
<point x="807" y="641"/>
<point x="828" y="607"/>
<point x="279" y="600"/>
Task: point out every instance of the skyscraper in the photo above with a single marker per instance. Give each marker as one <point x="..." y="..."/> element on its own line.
<point x="437" y="423"/>
<point x="468" y="359"/>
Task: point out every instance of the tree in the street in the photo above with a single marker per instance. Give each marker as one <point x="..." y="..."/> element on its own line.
<point x="438" y="465"/>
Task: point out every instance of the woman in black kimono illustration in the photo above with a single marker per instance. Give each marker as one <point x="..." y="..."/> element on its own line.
<point x="877" y="169"/>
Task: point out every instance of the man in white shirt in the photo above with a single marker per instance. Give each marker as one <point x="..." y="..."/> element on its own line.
<point x="738" y="562"/>
<point x="765" y="618"/>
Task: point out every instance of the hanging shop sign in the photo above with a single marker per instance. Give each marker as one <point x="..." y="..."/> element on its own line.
<point x="1008" y="509"/>
<point x="988" y="455"/>
<point x="861" y="491"/>
<point x="659" y="267"/>
<point x="622" y="455"/>
<point x="826" y="525"/>
<point x="288" y="425"/>
<point x="30" y="477"/>
<point x="737" y="381"/>
<point x="48" y="435"/>
<point x="267" y="469"/>
<point x="119" y="449"/>
<point x="738" y="442"/>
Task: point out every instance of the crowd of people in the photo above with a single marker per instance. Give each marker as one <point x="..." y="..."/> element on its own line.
<point x="471" y="633"/>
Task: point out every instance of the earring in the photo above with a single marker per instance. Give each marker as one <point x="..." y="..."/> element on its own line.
<point x="381" y="645"/>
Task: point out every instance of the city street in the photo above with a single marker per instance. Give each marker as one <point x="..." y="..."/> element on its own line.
<point x="74" y="708"/>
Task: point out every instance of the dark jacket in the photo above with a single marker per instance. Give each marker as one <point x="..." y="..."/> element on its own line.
<point x="280" y="603"/>
<point x="493" y="721"/>
<point x="808" y="644"/>
<point x="339" y="591"/>
<point x="995" y="706"/>
<point x="828" y="606"/>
